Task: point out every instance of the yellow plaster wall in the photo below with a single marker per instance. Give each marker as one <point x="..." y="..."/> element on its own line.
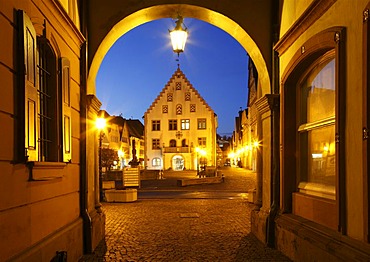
<point x="291" y="11"/>
<point x="347" y="14"/>
<point x="30" y="212"/>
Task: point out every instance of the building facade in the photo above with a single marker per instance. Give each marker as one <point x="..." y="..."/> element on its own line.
<point x="180" y="128"/>
<point x="125" y="137"/>
<point x="50" y="201"/>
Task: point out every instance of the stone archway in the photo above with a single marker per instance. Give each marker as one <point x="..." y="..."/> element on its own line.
<point x="109" y="23"/>
<point x="250" y="24"/>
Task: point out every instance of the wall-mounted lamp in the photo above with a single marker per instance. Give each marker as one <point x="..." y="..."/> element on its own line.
<point x="179" y="36"/>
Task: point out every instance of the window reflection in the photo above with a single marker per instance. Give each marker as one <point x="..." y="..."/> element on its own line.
<point x="317" y="127"/>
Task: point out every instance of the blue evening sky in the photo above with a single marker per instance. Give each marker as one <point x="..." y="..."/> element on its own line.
<point x="141" y="62"/>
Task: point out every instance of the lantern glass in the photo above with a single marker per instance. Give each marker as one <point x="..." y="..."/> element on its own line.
<point x="178" y="39"/>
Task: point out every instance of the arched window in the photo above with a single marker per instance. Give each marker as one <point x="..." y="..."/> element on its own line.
<point x="172" y="143"/>
<point x="156" y="162"/>
<point x="313" y="129"/>
<point x="183" y="143"/>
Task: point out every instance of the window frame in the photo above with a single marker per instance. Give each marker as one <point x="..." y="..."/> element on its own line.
<point x="156" y="145"/>
<point x="330" y="39"/>
<point x="366" y="119"/>
<point x="172" y="124"/>
<point x="305" y="128"/>
<point x="49" y="104"/>
<point x="202" y="142"/>
<point x="156" y="125"/>
<point x="60" y="132"/>
<point x="156" y="162"/>
<point x="202" y="123"/>
<point x="185" y="124"/>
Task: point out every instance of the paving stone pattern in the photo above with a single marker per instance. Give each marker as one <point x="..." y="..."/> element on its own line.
<point x="181" y="230"/>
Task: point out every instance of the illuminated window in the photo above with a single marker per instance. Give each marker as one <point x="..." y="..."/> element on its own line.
<point x="317" y="123"/>
<point x="156" y="162"/>
<point x="202" y="123"/>
<point x="313" y="129"/>
<point x="202" y="141"/>
<point x="47" y="105"/>
<point x="185" y="124"/>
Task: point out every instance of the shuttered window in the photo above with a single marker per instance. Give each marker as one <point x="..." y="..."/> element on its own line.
<point x="47" y="101"/>
<point x="28" y="38"/>
<point x="66" y="109"/>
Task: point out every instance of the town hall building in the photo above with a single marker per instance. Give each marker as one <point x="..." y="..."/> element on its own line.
<point x="180" y="128"/>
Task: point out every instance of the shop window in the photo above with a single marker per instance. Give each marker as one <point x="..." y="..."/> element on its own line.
<point x="316" y="131"/>
<point x="313" y="127"/>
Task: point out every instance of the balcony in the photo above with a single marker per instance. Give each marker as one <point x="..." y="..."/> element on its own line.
<point x="177" y="149"/>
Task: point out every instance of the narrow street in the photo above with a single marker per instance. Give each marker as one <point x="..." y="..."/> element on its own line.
<point x="194" y="223"/>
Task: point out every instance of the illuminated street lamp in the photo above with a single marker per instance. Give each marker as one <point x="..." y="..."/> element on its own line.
<point x="100" y="125"/>
<point x="201" y="152"/>
<point x="179" y="36"/>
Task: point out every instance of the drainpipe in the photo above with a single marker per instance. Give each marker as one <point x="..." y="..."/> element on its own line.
<point x="86" y="219"/>
<point x="275" y="131"/>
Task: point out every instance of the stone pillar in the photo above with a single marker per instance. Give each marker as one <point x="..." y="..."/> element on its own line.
<point x="264" y="166"/>
<point x="92" y="169"/>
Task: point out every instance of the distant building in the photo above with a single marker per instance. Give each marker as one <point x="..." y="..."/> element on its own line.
<point x="223" y="143"/>
<point x="180" y="128"/>
<point x="136" y="139"/>
<point x="245" y="138"/>
<point x="124" y="135"/>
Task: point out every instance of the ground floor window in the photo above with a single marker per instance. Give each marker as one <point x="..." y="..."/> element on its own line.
<point x="156" y="162"/>
<point x="177" y="163"/>
<point x="313" y="132"/>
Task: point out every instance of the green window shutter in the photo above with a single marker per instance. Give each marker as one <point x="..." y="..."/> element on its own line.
<point x="66" y="109"/>
<point x="28" y="38"/>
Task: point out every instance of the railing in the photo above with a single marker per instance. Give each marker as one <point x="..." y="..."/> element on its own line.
<point x="177" y="149"/>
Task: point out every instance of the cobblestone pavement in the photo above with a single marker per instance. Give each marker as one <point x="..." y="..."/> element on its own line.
<point x="181" y="230"/>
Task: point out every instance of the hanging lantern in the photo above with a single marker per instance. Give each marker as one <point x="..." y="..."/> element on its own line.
<point x="179" y="36"/>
